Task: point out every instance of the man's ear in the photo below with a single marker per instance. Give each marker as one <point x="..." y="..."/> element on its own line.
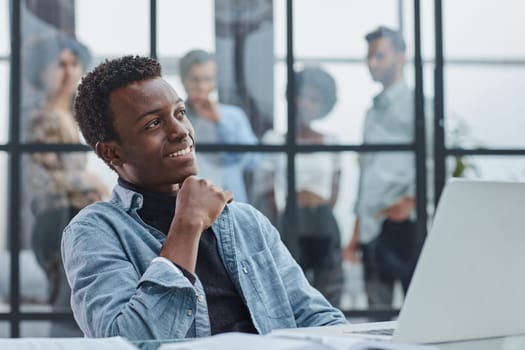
<point x="109" y="152"/>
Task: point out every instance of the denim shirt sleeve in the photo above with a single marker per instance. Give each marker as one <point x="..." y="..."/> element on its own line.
<point x="111" y="298"/>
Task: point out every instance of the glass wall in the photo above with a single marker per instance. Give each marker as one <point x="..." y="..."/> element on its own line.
<point x="132" y="32"/>
<point x="484" y="78"/>
<point x="35" y="329"/>
<point x="312" y="125"/>
<point x="4" y="96"/>
<point x="56" y="49"/>
<point x="474" y="112"/>
<point x="4" y="29"/>
<point x="483" y="84"/>
<point x="5" y="255"/>
<point x="4" y="329"/>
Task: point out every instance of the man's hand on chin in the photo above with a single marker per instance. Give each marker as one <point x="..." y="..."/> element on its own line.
<point x="199" y="203"/>
<point x="201" y="200"/>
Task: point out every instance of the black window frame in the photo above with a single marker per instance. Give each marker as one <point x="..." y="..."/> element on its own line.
<point x="16" y="150"/>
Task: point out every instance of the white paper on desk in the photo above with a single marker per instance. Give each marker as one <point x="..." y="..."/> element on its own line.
<point x="349" y="343"/>
<point x="114" y="343"/>
<point x="340" y="343"/>
<point x="243" y="341"/>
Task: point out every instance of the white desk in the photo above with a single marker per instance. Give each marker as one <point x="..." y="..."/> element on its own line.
<point x="508" y="343"/>
<point x="505" y="343"/>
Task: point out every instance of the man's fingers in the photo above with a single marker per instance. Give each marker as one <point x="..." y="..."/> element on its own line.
<point x="227" y="195"/>
<point x="207" y="185"/>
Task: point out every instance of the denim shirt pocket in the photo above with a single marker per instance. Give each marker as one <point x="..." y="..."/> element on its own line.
<point x="266" y="285"/>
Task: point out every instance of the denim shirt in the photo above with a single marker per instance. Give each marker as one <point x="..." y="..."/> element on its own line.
<point x="120" y="286"/>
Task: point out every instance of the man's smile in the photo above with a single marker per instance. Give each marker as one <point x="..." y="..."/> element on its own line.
<point x="181" y="152"/>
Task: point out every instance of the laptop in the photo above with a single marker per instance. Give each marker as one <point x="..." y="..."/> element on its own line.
<point x="469" y="281"/>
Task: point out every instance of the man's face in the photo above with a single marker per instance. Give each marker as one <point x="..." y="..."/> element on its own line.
<point x="200" y="81"/>
<point x="383" y="60"/>
<point x="156" y="147"/>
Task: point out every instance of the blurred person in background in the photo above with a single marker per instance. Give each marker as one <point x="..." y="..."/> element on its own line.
<point x="384" y="236"/>
<point x="315" y="240"/>
<point x="216" y="122"/>
<point x="52" y="65"/>
<point x="59" y="183"/>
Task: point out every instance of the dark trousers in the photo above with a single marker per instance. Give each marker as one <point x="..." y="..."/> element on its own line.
<point x="388" y="258"/>
<point x="315" y="242"/>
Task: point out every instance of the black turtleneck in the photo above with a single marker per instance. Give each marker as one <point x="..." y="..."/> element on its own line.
<point x="226" y="309"/>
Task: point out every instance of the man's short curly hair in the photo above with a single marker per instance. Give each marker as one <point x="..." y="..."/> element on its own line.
<point x="92" y="109"/>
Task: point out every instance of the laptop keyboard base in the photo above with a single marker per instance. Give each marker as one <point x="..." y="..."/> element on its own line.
<point x="384" y="331"/>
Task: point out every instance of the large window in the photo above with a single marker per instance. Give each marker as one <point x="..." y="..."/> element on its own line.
<point x="482" y="84"/>
<point x="299" y="169"/>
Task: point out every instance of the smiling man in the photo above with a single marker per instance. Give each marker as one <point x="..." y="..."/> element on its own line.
<point x="171" y="255"/>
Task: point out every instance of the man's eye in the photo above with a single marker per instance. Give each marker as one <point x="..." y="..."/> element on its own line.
<point x="153" y="124"/>
<point x="181" y="113"/>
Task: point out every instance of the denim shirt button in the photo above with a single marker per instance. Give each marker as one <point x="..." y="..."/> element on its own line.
<point x="244" y="269"/>
<point x="189" y="312"/>
<point x="200" y="298"/>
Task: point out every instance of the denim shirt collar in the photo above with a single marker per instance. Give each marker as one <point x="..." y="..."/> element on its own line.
<point x="126" y="199"/>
